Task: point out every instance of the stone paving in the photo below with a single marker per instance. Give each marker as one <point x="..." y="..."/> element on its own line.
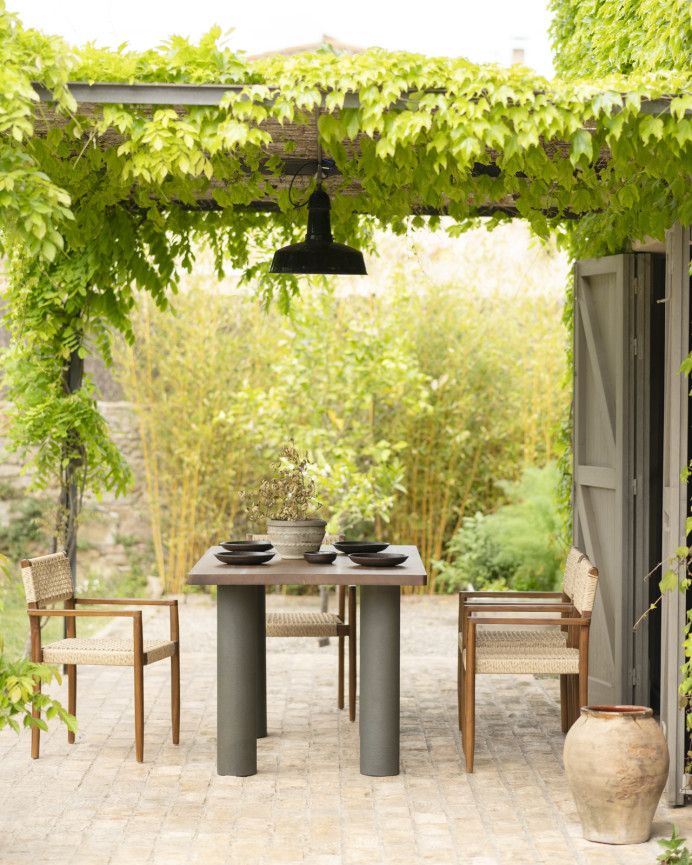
<point x="92" y="804"/>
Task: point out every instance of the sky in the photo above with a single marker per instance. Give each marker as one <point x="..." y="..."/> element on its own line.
<point x="483" y="32"/>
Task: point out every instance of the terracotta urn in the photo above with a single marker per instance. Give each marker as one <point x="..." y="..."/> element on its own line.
<point x="616" y="762"/>
<point x="293" y="538"/>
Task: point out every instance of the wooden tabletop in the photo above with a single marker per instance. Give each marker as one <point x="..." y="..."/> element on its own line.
<point x="209" y="571"/>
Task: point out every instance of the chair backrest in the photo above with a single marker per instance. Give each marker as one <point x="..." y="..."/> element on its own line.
<point x="47" y="579"/>
<point x="580" y="581"/>
<point x="328" y="539"/>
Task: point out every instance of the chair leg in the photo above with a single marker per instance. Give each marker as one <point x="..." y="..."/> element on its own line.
<point x="583" y="672"/>
<point x="460" y="692"/>
<point x="583" y="693"/>
<point x="469" y="730"/>
<point x="352" y="654"/>
<point x="35" y="730"/>
<point x="564" y="708"/>
<point x="575" y="698"/>
<point x="36" y="657"/>
<point x="71" y="696"/>
<point x="469" y="734"/>
<point x="139" y="712"/>
<point x="341" y="673"/>
<point x="175" y="697"/>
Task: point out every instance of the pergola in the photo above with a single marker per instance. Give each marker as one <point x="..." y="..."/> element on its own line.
<point x="301" y="138"/>
<point x="290" y="147"/>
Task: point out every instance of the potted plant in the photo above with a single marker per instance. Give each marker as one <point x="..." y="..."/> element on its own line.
<point x="288" y="503"/>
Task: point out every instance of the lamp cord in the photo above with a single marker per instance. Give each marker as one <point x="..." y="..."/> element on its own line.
<point x="319" y="177"/>
<point x="323" y="166"/>
<point x="302" y="203"/>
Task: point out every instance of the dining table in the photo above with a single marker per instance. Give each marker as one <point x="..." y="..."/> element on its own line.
<point x="241" y="650"/>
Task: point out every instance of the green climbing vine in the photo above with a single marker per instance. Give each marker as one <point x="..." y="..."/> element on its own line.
<point x="592" y="38"/>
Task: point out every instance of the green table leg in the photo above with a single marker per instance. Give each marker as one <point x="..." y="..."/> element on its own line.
<point x="237" y="700"/>
<point x="379" y="680"/>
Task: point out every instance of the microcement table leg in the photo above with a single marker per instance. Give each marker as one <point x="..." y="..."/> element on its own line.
<point x="236" y="658"/>
<point x="379" y="680"/>
<point x="261" y="663"/>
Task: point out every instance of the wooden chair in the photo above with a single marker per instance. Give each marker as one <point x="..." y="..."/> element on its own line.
<point x="48" y="580"/>
<point x="557" y="642"/>
<point x="324" y="624"/>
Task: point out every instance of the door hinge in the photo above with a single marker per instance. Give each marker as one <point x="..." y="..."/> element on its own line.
<point x="635" y="487"/>
<point x="634" y="678"/>
<point x="635" y="346"/>
<point x="635" y="285"/>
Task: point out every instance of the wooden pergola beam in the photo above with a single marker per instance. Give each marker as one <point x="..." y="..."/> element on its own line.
<point x="89" y="96"/>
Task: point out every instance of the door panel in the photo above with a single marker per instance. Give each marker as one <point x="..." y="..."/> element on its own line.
<point x="601" y="445"/>
<point x="675" y="456"/>
<point x="618" y="463"/>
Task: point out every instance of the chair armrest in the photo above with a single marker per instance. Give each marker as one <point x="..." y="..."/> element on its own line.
<point x="74" y="613"/>
<point x="519" y="608"/>
<point x="570" y="623"/>
<point x="481" y="594"/>
<point x="140" y="602"/>
<point x="476" y="600"/>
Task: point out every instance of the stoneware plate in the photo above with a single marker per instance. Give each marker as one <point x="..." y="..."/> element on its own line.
<point x="360" y="546"/>
<point x="246" y="546"/>
<point x="378" y="560"/>
<point x="323" y="557"/>
<point x="249" y="558"/>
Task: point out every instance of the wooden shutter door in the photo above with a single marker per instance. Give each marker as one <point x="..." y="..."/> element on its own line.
<point x="675" y="496"/>
<point x="602" y="486"/>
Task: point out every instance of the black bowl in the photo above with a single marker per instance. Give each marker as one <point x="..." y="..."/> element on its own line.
<point x="245" y="546"/>
<point x="360" y="546"/>
<point x="244" y="558"/>
<point x="378" y="560"/>
<point x="320" y="557"/>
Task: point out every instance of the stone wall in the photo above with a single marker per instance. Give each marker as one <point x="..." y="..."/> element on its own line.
<point x="115" y="534"/>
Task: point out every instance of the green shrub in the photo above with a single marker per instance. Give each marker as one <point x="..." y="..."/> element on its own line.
<point x="18" y="697"/>
<point x="517" y="547"/>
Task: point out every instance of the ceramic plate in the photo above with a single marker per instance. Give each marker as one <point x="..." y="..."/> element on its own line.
<point x="244" y="558"/>
<point x="378" y="560"/>
<point x="246" y="546"/>
<point x="360" y="546"/>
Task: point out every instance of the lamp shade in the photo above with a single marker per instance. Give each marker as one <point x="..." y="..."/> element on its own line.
<point x="318" y="253"/>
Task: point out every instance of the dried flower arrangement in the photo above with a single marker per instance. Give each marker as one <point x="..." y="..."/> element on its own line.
<point x="289" y="495"/>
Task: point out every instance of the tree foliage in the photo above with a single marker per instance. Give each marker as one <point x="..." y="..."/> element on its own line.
<point x="592" y="38"/>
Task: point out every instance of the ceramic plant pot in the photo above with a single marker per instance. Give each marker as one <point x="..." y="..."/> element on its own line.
<point x="292" y="539"/>
<point x="616" y="762"/>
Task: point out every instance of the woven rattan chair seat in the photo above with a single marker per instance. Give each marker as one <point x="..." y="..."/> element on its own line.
<point x="492" y="637"/>
<point x="539" y="660"/>
<point x="302" y="624"/>
<point x="113" y="653"/>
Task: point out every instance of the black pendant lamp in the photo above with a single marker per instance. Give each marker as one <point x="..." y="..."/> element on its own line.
<point x="318" y="253"/>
